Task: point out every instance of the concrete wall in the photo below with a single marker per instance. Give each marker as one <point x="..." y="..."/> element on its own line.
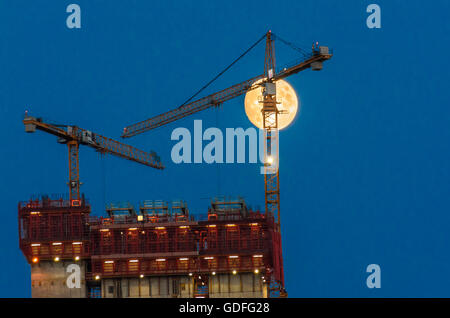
<point x="153" y="286"/>
<point x="48" y="279"/>
<point x="245" y="285"/>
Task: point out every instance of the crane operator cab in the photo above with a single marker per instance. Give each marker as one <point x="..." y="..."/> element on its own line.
<point x="318" y="50"/>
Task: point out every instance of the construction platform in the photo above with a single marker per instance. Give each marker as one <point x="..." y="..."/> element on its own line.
<point x="155" y="250"/>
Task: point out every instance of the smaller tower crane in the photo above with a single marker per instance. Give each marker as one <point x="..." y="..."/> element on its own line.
<point x="74" y="136"/>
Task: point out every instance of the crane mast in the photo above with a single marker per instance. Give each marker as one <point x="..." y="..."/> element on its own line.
<point x="73" y="136"/>
<point x="270" y="114"/>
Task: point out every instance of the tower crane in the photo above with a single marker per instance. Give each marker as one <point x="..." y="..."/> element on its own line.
<point x="311" y="60"/>
<point x="74" y="136"/>
<point x="270" y="112"/>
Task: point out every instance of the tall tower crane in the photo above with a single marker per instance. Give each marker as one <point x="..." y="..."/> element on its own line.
<point x="74" y="136"/>
<point x="270" y="112"/>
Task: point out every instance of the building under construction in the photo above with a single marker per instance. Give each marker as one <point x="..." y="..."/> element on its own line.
<point x="156" y="250"/>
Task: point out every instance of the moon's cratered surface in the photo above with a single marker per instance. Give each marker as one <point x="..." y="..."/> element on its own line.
<point x="288" y="103"/>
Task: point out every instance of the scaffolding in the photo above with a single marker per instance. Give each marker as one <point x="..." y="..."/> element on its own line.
<point x="120" y="210"/>
<point x="227" y="208"/>
<point x="50" y="229"/>
<point x="155" y="211"/>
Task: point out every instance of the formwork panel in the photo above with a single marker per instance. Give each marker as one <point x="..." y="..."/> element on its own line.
<point x="244" y="285"/>
<point x="164" y="286"/>
<point x="224" y="283"/>
<point x="107" y="288"/>
<point x="134" y="287"/>
<point x="235" y="283"/>
<point x="247" y="282"/>
<point x="214" y="285"/>
<point x="154" y="287"/>
<point x="186" y="287"/>
<point x="144" y="287"/>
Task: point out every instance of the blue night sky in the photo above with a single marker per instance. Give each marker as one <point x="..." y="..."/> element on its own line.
<point x="364" y="168"/>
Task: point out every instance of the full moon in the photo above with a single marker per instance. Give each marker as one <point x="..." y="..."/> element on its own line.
<point x="288" y="103"/>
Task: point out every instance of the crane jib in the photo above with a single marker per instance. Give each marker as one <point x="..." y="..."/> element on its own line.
<point x="96" y="141"/>
<point x="212" y="100"/>
<point x="313" y="60"/>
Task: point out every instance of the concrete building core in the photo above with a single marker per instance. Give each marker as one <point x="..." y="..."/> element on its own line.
<point x="49" y="279"/>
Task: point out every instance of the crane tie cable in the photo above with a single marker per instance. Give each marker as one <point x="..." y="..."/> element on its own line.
<point x="290" y="44"/>
<point x="222" y="72"/>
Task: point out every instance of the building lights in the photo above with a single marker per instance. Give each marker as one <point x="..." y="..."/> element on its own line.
<point x="109" y="262"/>
<point x="77" y="243"/>
<point x="160" y="259"/>
<point x="183" y="227"/>
<point x="133" y="260"/>
<point x="141" y="276"/>
<point x="209" y="257"/>
<point x="97" y="277"/>
<point x="160" y="228"/>
<point x="230" y="225"/>
<point x="56" y="259"/>
<point x="212" y="225"/>
<point x="183" y="259"/>
<point x="213" y="273"/>
<point x="233" y="256"/>
<point x="77" y="258"/>
<point x="57" y="243"/>
<point x="234" y="272"/>
<point x="256" y="271"/>
<point x="132" y="229"/>
<point x="190" y="274"/>
<point x="36" y="244"/>
<point x="257" y="255"/>
<point x="35" y="260"/>
<point x="104" y="230"/>
<point x="140" y="218"/>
